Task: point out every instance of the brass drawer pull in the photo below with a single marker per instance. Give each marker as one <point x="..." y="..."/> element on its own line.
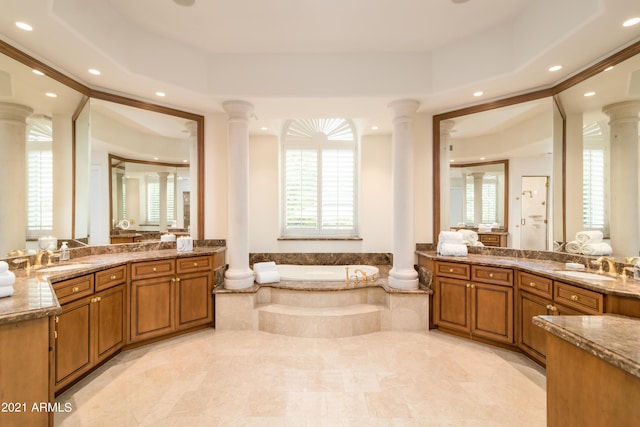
<point x="195" y="264"/>
<point x="177" y="279"/>
<point x="468" y="285"/>
<point x="155" y="269"/>
<point x="75" y="289"/>
<point x="451" y="270"/>
<point x="532" y="284"/>
<point x="574" y="297"/>
<point x="490" y="274"/>
<point x="113" y="277"/>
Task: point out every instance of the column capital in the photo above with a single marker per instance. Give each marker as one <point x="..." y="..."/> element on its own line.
<point x="238" y="109"/>
<point x="14" y="112"/>
<point x="191" y="127"/>
<point x="623" y="111"/>
<point x="404" y="108"/>
<point x="446" y="126"/>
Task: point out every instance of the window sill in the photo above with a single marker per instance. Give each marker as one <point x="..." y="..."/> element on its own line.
<point x="319" y="238"/>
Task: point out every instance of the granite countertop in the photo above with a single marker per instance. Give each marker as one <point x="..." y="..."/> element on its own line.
<point x="34" y="296"/>
<point x="614" y="339"/>
<point x="547" y="268"/>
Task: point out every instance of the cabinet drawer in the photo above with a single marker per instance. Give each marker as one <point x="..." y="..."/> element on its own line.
<point x="490" y="239"/>
<point x="72" y="289"/>
<point x="494" y="275"/>
<point x="581" y="299"/>
<point x="111" y="277"/>
<point x="535" y="284"/>
<point x="196" y="263"/>
<point x="452" y="269"/>
<point x="148" y="269"/>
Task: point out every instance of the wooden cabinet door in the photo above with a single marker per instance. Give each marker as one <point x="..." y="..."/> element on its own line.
<point x="452" y="304"/>
<point x="108" y="311"/>
<point x="492" y="312"/>
<point x="531" y="338"/>
<point x="194" y="300"/>
<point x="152" y="307"/>
<point x="74" y="353"/>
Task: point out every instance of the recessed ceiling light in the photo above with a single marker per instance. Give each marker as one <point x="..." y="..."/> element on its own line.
<point x="374" y="127"/>
<point x="38" y="72"/>
<point x="185" y="161"/>
<point x="482" y="158"/>
<point x="264" y="128"/>
<point x="51" y="95"/>
<point x="451" y="161"/>
<point x="24" y="26"/>
<point x="609" y="68"/>
<point x="555" y="68"/>
<point x="155" y="158"/>
<point x="478" y="93"/>
<point x="94" y="71"/>
<point x="589" y="94"/>
<point x="631" y="22"/>
<point x="161" y="94"/>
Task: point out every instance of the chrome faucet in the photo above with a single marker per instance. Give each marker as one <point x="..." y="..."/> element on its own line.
<point x="611" y="265"/>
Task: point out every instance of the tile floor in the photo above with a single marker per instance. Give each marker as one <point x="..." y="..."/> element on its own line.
<point x="251" y="378"/>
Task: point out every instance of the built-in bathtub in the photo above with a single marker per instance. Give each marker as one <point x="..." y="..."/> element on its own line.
<point x="326" y="273"/>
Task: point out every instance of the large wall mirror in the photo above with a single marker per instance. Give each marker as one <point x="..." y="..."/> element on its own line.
<point x="570" y="127"/>
<point x="84" y="123"/>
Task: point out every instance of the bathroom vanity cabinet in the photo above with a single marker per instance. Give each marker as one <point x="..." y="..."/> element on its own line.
<point x="91" y="326"/>
<point x="474" y="300"/>
<point x="537" y="296"/>
<point x="170" y="295"/>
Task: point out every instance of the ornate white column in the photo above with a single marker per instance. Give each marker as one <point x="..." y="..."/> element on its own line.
<point x="403" y="274"/>
<point x="238" y="275"/>
<point x="192" y="127"/>
<point x="162" y="181"/>
<point x="624" y="218"/>
<point x="13" y="150"/>
<point x="446" y="126"/>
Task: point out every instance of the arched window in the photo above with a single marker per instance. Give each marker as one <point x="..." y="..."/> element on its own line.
<point x="319" y="178"/>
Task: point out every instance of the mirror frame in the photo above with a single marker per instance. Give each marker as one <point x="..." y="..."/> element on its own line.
<point x="89" y="93"/>
<point x="623" y="54"/>
<point x="505" y="164"/>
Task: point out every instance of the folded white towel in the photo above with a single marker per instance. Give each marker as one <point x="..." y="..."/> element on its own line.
<point x="593" y="236"/>
<point x="264" y="266"/>
<point x="469" y="237"/>
<point x="452" y="249"/>
<point x="450" y="237"/>
<point x="477" y="244"/>
<point x="601" y="248"/>
<point x="6" y="291"/>
<point x="484" y="228"/>
<point x="573" y="247"/>
<point x="267" y="276"/>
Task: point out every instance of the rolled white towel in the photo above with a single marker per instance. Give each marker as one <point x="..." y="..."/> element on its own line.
<point x="600" y="248"/>
<point x="450" y="237"/>
<point x="469" y="236"/>
<point x="6" y="291"/>
<point x="477" y="244"/>
<point x="264" y="266"/>
<point x="452" y="249"/>
<point x="592" y="236"/>
<point x="573" y="247"/>
<point x="267" y="276"/>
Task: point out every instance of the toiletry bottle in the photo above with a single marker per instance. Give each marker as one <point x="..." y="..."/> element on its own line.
<point x="636" y="271"/>
<point x="64" y="252"/>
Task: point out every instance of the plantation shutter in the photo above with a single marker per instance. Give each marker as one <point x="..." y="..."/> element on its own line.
<point x="39" y="167"/>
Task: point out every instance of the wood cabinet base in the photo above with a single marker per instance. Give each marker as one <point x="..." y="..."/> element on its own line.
<point x="584" y="390"/>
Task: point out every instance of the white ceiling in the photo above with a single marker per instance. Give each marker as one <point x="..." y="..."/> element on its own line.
<point x="302" y="58"/>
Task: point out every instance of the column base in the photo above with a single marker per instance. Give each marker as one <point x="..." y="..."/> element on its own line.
<point x="403" y="279"/>
<point x="238" y="279"/>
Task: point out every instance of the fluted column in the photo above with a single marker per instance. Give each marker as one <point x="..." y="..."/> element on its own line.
<point x="238" y="275"/>
<point x="162" y="181"/>
<point x="446" y="126"/>
<point x="477" y="197"/>
<point x="403" y="274"/>
<point x="624" y="218"/>
<point x="13" y="143"/>
<point x="192" y="127"/>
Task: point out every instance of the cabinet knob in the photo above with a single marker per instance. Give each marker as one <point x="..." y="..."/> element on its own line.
<point x="451" y="270"/>
<point x="177" y="279"/>
<point x="173" y="279"/>
<point x="155" y="269"/>
<point x="113" y="277"/>
<point x="75" y="289"/>
<point x="473" y="286"/>
<point x="554" y="308"/>
<point x="549" y="306"/>
<point x="195" y="264"/>
<point x="574" y="297"/>
<point x="490" y="274"/>
<point x="532" y="284"/>
<point x="468" y="285"/>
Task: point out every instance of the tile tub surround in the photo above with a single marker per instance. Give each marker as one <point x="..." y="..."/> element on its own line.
<point x="614" y="339"/>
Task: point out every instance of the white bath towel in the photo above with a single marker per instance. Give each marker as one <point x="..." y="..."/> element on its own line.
<point x="593" y="236"/>
<point x="452" y="249"/>
<point x="264" y="266"/>
<point x="450" y="237"/>
<point x="267" y="276"/>
<point x="469" y="237"/>
<point x="484" y="228"/>
<point x="600" y="248"/>
<point x="6" y="291"/>
<point x="573" y="247"/>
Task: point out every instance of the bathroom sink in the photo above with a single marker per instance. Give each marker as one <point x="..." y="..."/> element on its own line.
<point x="585" y="275"/>
<point x="63" y="267"/>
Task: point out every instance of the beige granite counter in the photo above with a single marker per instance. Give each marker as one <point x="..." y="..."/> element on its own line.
<point x="34" y="296"/>
<point x="547" y="268"/>
<point x="614" y="339"/>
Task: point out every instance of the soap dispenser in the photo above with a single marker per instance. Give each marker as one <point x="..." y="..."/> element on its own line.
<point x="64" y="252"/>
